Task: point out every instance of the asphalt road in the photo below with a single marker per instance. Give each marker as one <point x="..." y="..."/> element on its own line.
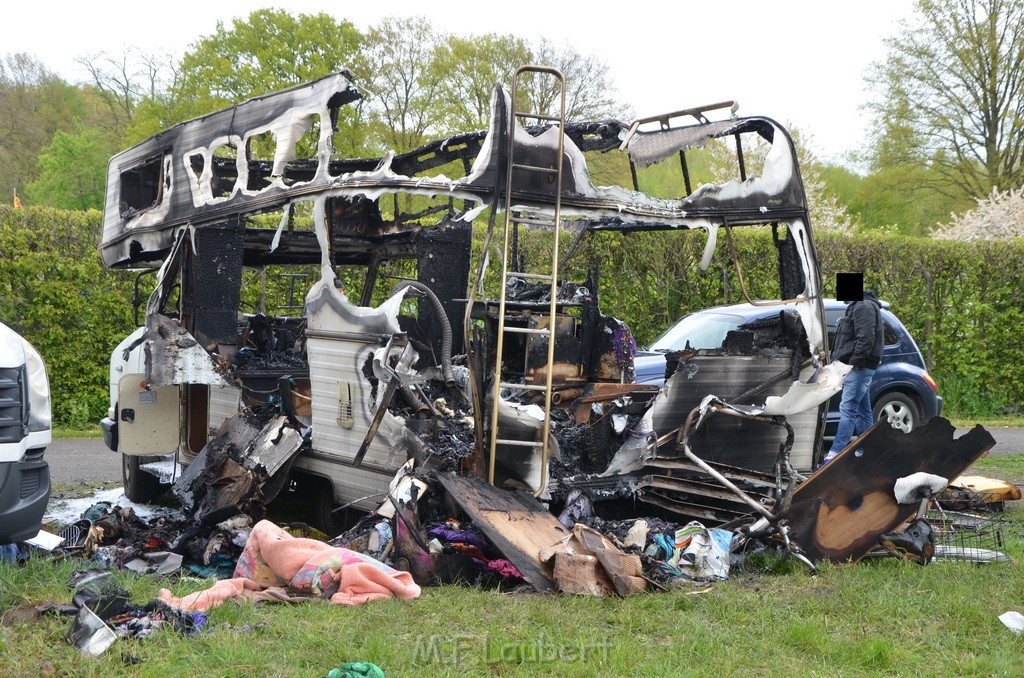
<point x="74" y="460"/>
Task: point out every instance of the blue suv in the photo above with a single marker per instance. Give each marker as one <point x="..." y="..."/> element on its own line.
<point x="902" y="391"/>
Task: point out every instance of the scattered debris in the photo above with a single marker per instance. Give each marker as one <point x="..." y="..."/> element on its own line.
<point x="241" y="468"/>
<point x="977" y="492"/>
<point x="840" y="512"/>
<point x="105" y="613"/>
<point x="515" y="522"/>
<point x="435" y="429"/>
<point x="1013" y="621"/>
<point x="90" y="635"/>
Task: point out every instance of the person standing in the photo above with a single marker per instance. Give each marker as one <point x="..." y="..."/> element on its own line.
<point x="859" y="342"/>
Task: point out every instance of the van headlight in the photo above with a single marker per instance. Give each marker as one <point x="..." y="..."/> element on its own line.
<point x="39" y="417"/>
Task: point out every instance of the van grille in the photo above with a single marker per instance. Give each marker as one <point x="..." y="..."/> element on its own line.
<point x="13" y="409"/>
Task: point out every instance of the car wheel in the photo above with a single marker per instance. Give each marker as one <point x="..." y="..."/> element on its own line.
<point x="899" y="410"/>
<point x="139" y="486"/>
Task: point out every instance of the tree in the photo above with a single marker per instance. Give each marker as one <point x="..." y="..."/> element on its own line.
<point x="404" y="81"/>
<point x="123" y="82"/>
<point x="73" y="171"/>
<point x="268" y="51"/>
<point x="953" y="79"/>
<point x="1000" y="216"/>
<point x="34" y="103"/>
<point x="468" y="69"/>
<point x="589" y="89"/>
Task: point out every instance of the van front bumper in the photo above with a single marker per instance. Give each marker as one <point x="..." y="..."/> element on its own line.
<point x="24" y="494"/>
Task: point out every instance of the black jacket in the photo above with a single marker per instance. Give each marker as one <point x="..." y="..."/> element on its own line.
<point x="860" y="336"/>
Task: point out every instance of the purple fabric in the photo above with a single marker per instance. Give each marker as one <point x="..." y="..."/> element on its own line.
<point x="450" y="535"/>
<point x="625" y="346"/>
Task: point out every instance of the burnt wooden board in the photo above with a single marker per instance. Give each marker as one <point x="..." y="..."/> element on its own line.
<point x="839" y="513"/>
<point x="515" y="522"/>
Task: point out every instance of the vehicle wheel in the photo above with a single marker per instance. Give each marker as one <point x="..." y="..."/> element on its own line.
<point x="139" y="486"/>
<point x="899" y="409"/>
<point x="321" y="505"/>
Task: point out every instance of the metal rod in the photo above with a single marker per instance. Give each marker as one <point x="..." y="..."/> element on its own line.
<point x="686" y="172"/>
<point x="739" y="157"/>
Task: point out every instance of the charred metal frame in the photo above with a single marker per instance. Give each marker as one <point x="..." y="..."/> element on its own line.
<point x="172" y="200"/>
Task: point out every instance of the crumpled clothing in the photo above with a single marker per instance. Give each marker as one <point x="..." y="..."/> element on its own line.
<point x="141" y="621"/>
<point x="273" y="558"/>
<point x="504" y="568"/>
<point x="472" y="551"/>
<point x="97" y="511"/>
<point x="12" y="553"/>
<point x="499" y="566"/>
<point x="356" y="670"/>
<point x="455" y="536"/>
<point x="661" y="547"/>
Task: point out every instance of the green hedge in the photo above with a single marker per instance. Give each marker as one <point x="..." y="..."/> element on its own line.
<point x="963" y="302"/>
<point x="55" y="292"/>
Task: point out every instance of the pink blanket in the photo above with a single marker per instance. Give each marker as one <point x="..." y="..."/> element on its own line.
<point x="273" y="558"/>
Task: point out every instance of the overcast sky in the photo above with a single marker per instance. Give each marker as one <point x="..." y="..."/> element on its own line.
<point x="801" y="62"/>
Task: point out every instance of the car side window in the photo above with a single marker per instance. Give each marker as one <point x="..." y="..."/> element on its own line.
<point x="832" y="318"/>
<point x="891" y="338"/>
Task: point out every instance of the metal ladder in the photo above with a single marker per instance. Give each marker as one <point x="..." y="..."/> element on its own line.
<point x="516" y="169"/>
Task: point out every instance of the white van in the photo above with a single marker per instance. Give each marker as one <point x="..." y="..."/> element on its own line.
<point x="24" y="435"/>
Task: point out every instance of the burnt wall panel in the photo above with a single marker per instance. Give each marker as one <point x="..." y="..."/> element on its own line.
<point x="212" y="282"/>
<point x="731" y="440"/>
<point x="443" y="253"/>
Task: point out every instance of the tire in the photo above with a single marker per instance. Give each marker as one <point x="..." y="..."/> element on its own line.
<point x="320" y="496"/>
<point x="899" y="410"/>
<point x="139" y="486"/>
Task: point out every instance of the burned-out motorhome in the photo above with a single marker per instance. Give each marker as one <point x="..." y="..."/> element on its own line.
<point x="431" y="319"/>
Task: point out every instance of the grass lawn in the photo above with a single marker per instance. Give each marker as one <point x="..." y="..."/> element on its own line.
<point x="877" y="617"/>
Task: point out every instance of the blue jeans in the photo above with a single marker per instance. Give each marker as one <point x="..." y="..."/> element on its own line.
<point x="855" y="416"/>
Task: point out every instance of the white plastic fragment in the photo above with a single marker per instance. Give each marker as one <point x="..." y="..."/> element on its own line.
<point x="1013" y="621"/>
<point x="908" y="490"/>
<point x="709" y="246"/>
<point x="473" y="213"/>
<point x="637" y="535"/>
<point x="705" y="555"/>
<point x="45" y="540"/>
<point x="402" y="488"/>
<point x="802" y="396"/>
<point x="90" y="634"/>
<point x="287" y="212"/>
<point x="535" y="411"/>
<point x="969" y="554"/>
<point x="619" y="423"/>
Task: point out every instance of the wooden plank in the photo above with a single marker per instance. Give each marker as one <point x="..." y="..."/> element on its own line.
<point x="839" y="513"/>
<point x="515" y="522"/>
